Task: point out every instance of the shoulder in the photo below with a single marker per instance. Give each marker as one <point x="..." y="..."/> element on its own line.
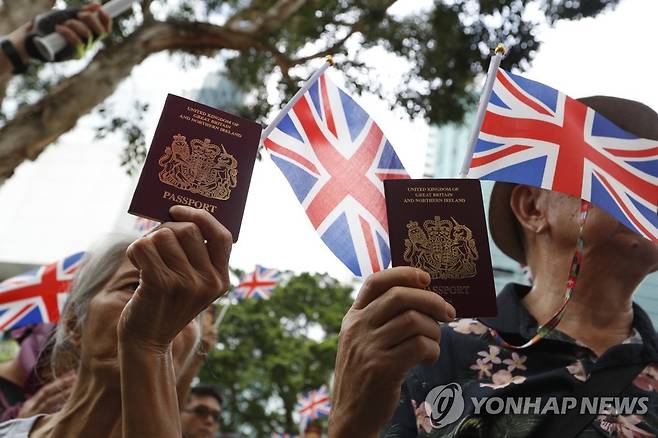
<point x="18" y="428"/>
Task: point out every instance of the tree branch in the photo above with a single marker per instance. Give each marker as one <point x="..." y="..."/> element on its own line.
<point x="253" y="21"/>
<point x="331" y="50"/>
<point x="357" y="27"/>
<point x="36" y="126"/>
<point x="146" y="11"/>
<point x="277" y="15"/>
<point x="13" y="13"/>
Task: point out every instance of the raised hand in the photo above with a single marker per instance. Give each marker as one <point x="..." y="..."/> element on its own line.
<point x="90" y="23"/>
<point x="180" y="275"/>
<point x="391" y="327"/>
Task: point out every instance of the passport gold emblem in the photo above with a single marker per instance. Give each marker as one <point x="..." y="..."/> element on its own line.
<point x="443" y="248"/>
<point x="200" y="167"/>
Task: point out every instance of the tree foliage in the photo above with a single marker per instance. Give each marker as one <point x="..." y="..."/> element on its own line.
<point x="446" y="45"/>
<point x="271" y="351"/>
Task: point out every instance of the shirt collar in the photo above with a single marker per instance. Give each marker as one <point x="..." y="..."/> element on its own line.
<point x="516" y="325"/>
<point x="513" y="318"/>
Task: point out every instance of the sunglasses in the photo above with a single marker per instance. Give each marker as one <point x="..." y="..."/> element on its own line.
<point x="205" y="412"/>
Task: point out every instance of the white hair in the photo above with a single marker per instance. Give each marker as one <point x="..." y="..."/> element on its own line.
<point x="98" y="266"/>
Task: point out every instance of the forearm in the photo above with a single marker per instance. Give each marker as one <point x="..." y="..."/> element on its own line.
<point x="17" y="38"/>
<point x="346" y="426"/>
<point x="192" y="368"/>
<point x="148" y="392"/>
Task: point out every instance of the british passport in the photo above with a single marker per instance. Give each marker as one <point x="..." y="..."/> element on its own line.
<point x="201" y="157"/>
<point x="438" y="225"/>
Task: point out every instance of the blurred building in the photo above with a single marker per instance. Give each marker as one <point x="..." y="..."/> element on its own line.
<point x="445" y="153"/>
<point x="220" y="92"/>
<point x="11" y="269"/>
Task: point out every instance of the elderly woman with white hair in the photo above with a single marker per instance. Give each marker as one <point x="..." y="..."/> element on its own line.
<point x="128" y="326"/>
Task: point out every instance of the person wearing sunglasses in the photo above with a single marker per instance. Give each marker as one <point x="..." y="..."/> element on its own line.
<point x="201" y="416"/>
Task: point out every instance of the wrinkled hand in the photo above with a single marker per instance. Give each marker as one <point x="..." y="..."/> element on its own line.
<point x="391" y="327"/>
<point x="50" y="397"/>
<point x="180" y="275"/>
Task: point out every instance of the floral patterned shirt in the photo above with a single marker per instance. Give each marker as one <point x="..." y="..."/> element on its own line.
<point x="554" y="367"/>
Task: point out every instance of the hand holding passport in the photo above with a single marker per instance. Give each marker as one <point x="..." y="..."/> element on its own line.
<point x="201" y="157"/>
<point x="437" y="225"/>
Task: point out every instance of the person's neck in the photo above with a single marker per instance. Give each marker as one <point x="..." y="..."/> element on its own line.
<point x="93" y="409"/>
<point x="600" y="313"/>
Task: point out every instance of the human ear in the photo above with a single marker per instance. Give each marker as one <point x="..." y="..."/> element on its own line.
<point x="528" y="207"/>
<point x="73" y="335"/>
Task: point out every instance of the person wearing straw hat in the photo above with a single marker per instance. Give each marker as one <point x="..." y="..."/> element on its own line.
<point x="532" y="371"/>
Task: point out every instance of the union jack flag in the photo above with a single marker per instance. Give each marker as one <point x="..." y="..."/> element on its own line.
<point x="533" y="134"/>
<point x="145" y="225"/>
<point x="258" y="284"/>
<point x="335" y="158"/>
<point x="37" y="296"/>
<point x="313" y="404"/>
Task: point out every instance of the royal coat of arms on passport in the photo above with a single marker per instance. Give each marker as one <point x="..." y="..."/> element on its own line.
<point x="199" y="167"/>
<point x="443" y="248"/>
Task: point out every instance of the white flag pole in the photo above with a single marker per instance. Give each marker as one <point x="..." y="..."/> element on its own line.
<point x="222" y="314"/>
<point x="267" y="131"/>
<point x="482" y="108"/>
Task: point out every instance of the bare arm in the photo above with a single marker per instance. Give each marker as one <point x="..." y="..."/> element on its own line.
<point x="180" y="276"/>
<point x="184" y="382"/>
<point x="17" y="38"/>
<point x="198" y="358"/>
<point x="148" y="391"/>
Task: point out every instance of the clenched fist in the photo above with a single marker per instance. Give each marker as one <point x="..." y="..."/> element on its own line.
<point x="183" y="268"/>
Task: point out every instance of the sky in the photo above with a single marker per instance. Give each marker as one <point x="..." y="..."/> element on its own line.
<point x="76" y="191"/>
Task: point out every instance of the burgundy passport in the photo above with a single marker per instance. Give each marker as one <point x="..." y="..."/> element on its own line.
<point x="438" y="225"/>
<point x="201" y="157"/>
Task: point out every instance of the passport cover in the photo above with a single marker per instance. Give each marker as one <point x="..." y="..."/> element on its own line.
<point x="438" y="225"/>
<point x="201" y="157"/>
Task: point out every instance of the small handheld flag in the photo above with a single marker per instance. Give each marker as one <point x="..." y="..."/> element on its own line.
<point x="335" y="157"/>
<point x="313" y="404"/>
<point x="144" y="225"/>
<point x="533" y="134"/>
<point x="37" y="296"/>
<point x="258" y="284"/>
<point x="529" y="133"/>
